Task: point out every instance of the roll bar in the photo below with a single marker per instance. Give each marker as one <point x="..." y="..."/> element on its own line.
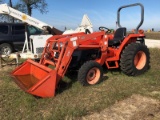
<point x="131" y="5"/>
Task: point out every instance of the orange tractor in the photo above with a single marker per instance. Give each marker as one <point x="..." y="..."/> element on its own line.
<point x="85" y="53"/>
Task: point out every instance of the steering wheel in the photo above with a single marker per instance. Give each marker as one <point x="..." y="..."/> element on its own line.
<point x="105" y="29"/>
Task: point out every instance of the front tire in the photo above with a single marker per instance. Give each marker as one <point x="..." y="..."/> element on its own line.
<point x="135" y="59"/>
<point x="90" y="73"/>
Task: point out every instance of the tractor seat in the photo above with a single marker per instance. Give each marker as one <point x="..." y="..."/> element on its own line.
<point x="118" y="37"/>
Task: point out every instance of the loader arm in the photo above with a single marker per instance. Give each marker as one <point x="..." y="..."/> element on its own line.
<point x="59" y="50"/>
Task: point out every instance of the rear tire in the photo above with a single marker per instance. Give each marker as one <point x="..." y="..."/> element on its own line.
<point x="5" y="49"/>
<point x="135" y="59"/>
<point x="90" y="73"/>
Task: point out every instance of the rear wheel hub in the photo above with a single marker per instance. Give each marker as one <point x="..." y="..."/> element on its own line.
<point x="140" y="60"/>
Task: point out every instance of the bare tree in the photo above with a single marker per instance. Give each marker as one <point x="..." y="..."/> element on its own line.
<point x="1" y="1"/>
<point x="25" y="6"/>
<point x="11" y="5"/>
<point x="5" y="17"/>
<point x="41" y="5"/>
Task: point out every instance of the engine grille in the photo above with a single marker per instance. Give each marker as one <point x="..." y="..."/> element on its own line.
<point x="39" y="50"/>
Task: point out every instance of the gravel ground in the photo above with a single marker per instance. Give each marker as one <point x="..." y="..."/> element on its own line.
<point x="152" y="43"/>
<point x="136" y="107"/>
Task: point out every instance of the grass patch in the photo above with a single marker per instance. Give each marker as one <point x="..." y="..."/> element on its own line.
<point x="72" y="99"/>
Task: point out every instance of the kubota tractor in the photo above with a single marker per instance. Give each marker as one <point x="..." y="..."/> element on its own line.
<point x="85" y="53"/>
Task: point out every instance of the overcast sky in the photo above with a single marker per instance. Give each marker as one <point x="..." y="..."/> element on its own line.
<point x="69" y="13"/>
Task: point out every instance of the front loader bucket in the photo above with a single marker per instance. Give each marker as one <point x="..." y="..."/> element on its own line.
<point x="35" y="79"/>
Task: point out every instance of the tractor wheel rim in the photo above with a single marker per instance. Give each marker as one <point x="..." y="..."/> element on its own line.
<point x="140" y="60"/>
<point x="93" y="75"/>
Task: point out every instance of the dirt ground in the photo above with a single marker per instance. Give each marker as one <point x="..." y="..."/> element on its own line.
<point x="136" y="107"/>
